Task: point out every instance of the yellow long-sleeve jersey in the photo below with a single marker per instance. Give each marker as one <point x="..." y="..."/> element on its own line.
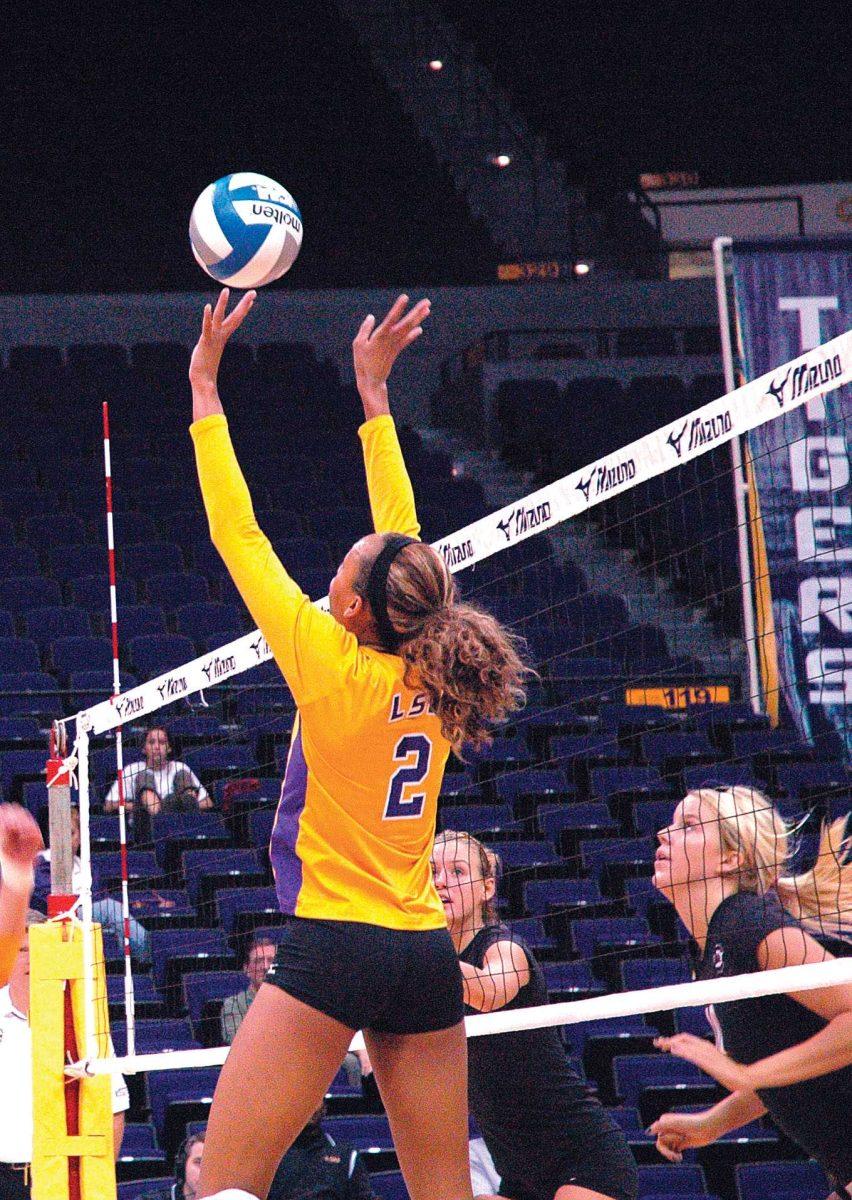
<point x="356" y="819"/>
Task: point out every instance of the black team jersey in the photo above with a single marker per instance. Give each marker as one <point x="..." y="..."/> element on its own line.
<point x="817" y="1113"/>
<point x="535" y="1113"/>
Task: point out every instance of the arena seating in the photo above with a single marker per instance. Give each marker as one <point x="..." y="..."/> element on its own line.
<point x="570" y="796"/>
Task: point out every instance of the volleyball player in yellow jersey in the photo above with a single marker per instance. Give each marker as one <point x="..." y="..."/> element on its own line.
<point x="396" y="675"/>
<point x="20" y="842"/>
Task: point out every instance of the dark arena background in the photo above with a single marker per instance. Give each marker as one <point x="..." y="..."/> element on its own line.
<point x="556" y="178"/>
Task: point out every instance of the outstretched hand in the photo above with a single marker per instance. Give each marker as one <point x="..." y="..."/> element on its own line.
<point x="20" y="842"/>
<point x="704" y="1055"/>
<point x="377" y="347"/>
<point x="216" y="329"/>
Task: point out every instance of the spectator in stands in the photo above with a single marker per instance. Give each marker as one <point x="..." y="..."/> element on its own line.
<point x="16" y="1094"/>
<point x="159" y="783"/>
<point x="547" y="1136"/>
<point x="393" y="677"/>
<point x="258" y="960"/>
<point x="318" y="1168"/>
<point x="105" y="909"/>
<point x="20" y="842"/>
<point x="725" y="864"/>
<point x="187" y="1171"/>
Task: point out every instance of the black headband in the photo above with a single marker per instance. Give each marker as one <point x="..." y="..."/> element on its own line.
<point x="377" y="588"/>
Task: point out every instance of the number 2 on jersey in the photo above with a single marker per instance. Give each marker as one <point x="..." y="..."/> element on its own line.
<point x="414" y="746"/>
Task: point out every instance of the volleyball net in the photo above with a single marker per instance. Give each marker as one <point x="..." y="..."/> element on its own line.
<point x="622" y="577"/>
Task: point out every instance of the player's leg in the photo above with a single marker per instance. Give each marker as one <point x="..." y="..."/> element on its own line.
<point x="282" y="1061"/>
<point x="422" y="1078"/>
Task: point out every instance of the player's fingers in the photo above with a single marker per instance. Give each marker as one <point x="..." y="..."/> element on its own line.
<point x="412" y="336"/>
<point x="365" y="328"/>
<point x="221" y="306"/>
<point x="395" y="312"/>
<point x="414" y="316"/>
<point x="207" y="320"/>
<point x="239" y="314"/>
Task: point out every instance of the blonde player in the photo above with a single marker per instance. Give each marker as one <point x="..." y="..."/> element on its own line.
<point x="387" y="683"/>
<point x="20" y="842"/>
<point x="724" y="863"/>
<point x="550" y="1140"/>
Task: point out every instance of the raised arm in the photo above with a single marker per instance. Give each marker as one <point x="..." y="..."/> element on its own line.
<point x="20" y="842"/>
<point x="375" y="350"/>
<point x="314" y="652"/>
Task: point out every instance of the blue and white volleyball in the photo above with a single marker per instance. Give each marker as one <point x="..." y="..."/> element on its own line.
<point x="245" y="230"/>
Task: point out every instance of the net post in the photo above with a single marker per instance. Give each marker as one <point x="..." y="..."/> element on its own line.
<point x="82" y="754"/>
<point x="720" y="245"/>
<point x="59" y="818"/>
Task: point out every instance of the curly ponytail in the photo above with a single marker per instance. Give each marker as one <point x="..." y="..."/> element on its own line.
<point x="464" y="659"/>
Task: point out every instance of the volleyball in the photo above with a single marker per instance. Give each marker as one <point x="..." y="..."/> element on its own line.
<point x="245" y="230"/>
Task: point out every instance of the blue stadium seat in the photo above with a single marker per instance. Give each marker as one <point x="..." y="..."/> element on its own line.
<point x="785" y="1180"/>
<point x="23" y="592"/>
<point x="44" y="625"/>
<point x="281" y="525"/>
<point x="18" y="732"/>
<point x="71" y="654"/>
<point x="527" y="852"/>
<point x="138" y="1137"/>
<point x="592" y="816"/>
<point x="633" y="1072"/>
<point x="653" y="972"/>
<point x="388" y="1185"/>
<point x="676" y="748"/>
<point x="180" y="522"/>
<point x="231" y="903"/>
<point x="29" y="502"/>
<point x="90" y="687"/>
<point x="773" y="745"/>
<point x="542" y="895"/>
<point x="531" y="930"/>
<point x="649" y="816"/>
<point x="543" y="783"/>
<point x="185" y="943"/>
<point x="194" y="1083"/>
<point x="153" y="1037"/>
<point x="171" y="589"/>
<point x="579" y="753"/>
<point x="231" y="757"/>
<point x="813" y="779"/>
<point x="92" y="592"/>
<point x="144" y="988"/>
<point x="476" y="817"/>
<point x="130" y="528"/>
<point x="304" y="553"/>
<point x="722" y="775"/>
<point x="190" y="829"/>
<point x="570" y="978"/>
<point x="629" y="850"/>
<point x="19" y="654"/>
<point x="206" y="619"/>
<point x="140" y="620"/>
<point x="199" y="864"/>
<point x="588" y="934"/>
<point x="362" y="1132"/>
<point x="141" y="865"/>
<point x="18" y="765"/>
<point x="199" y="987"/>
<point x="260" y="826"/>
<point x="144" y="559"/>
<point x="154" y="655"/>
<point x="28" y="692"/>
<point x="16" y="561"/>
<point x="56" y="529"/>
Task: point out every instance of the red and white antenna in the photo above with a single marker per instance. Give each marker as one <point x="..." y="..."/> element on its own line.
<point x="129" y="1005"/>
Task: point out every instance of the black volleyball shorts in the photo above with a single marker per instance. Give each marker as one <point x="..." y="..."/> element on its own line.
<point x="369" y="977"/>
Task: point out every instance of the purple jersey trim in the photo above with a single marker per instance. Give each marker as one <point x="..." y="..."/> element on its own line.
<point x="286" y="864"/>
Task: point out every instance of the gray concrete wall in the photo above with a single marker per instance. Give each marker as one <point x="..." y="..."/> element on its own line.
<point x="329" y="319"/>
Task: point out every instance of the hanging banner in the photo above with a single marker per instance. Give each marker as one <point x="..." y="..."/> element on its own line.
<point x="792" y="297"/>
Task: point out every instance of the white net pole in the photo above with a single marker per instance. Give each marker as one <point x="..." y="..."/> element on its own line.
<point x="697" y="994"/>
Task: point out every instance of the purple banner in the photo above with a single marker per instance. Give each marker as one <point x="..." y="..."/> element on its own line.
<point x="792" y="297"/>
